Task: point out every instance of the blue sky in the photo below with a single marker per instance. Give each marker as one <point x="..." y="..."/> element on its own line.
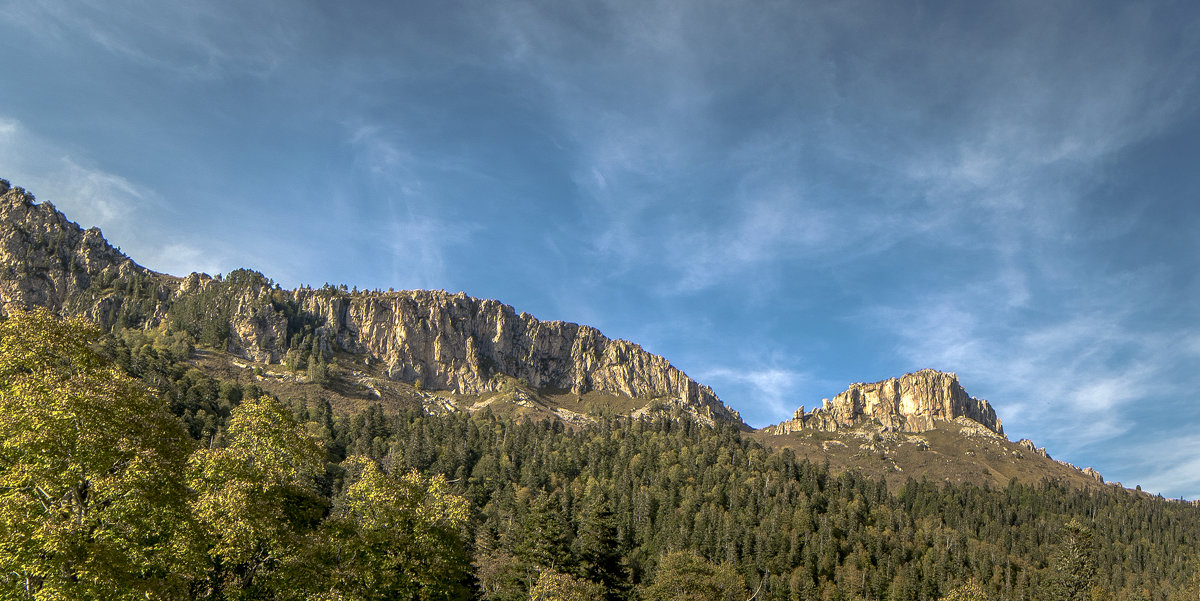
<point x="781" y="198"/>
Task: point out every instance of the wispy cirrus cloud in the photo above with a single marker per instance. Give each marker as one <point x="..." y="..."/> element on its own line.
<point x="94" y="197"/>
<point x="1013" y="130"/>
<point x="417" y="235"/>
<point x="87" y="193"/>
<point x="195" y="41"/>
<point x="1170" y="463"/>
<point x="1075" y="380"/>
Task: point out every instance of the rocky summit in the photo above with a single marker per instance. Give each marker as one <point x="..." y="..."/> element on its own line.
<point x="911" y="403"/>
<point x="46" y="259"/>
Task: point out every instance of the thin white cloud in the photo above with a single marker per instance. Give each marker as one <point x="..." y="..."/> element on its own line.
<point x="1019" y="124"/>
<point x="87" y="194"/>
<point x="417" y="235"/>
<point x="629" y="131"/>
<point x="1046" y="118"/>
<point x="762" y="229"/>
<point x="1074" y="383"/>
<point x="769" y="391"/>
<point x="94" y="197"/>
<point x="1164" y="462"/>
<point x="1191" y="344"/>
<point x="189" y="40"/>
<point x="181" y="259"/>
<point x="419" y="246"/>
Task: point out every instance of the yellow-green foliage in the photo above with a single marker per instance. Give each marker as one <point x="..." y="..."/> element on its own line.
<point x="685" y="576"/>
<point x="553" y="585"/>
<point x="968" y="591"/>
<point x="393" y="537"/>
<point x="257" y="498"/>
<point x="92" y="499"/>
<point x="102" y="496"/>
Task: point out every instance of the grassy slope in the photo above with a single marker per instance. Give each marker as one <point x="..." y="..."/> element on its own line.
<point x="949" y="453"/>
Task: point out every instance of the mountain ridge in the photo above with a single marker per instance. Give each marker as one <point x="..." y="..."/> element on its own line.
<point x="432" y="339"/>
<point x="452" y="352"/>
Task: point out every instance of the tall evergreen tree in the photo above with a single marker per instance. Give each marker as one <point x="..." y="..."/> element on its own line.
<point x="599" y="547"/>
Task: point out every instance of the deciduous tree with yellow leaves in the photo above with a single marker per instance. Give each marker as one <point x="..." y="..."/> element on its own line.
<point x="93" y="503"/>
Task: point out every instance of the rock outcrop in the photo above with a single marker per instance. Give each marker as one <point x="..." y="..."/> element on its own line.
<point x="911" y="403"/>
<point x="442" y="341"/>
<point x="49" y="261"/>
<point x="1025" y="443"/>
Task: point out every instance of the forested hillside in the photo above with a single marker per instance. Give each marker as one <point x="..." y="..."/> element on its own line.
<point x="252" y="497"/>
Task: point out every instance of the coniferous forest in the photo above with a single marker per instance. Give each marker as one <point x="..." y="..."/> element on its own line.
<point x="127" y="473"/>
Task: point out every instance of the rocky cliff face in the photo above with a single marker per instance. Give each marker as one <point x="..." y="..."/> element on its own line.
<point x="455" y="342"/>
<point x="444" y="341"/>
<point x="910" y="403"/>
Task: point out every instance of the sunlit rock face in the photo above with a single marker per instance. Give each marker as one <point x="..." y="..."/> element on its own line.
<point x="911" y="403"/>
<point x="457" y="342"/>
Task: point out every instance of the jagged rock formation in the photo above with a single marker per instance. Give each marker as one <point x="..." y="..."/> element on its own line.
<point x="910" y="403"/>
<point x="455" y="342"/>
<point x="1028" y="444"/>
<point x="442" y="341"/>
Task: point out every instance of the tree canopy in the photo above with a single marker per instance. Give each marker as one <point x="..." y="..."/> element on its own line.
<point x="93" y="503"/>
<point x="104" y="495"/>
<point x="127" y="472"/>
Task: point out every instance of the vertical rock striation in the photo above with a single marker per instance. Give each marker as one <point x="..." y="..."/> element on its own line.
<point x="456" y="342"/>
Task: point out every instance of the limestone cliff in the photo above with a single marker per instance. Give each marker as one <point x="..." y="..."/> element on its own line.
<point x="456" y="342"/>
<point x="442" y="341"/>
<point x="910" y="403"/>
